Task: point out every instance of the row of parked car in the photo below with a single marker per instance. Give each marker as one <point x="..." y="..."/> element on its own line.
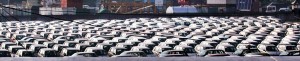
<point x="151" y="37"/>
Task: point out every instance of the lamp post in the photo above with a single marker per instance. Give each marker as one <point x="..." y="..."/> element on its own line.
<point x="9" y="12"/>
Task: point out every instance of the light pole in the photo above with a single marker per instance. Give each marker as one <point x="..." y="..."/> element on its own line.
<point x="9" y="6"/>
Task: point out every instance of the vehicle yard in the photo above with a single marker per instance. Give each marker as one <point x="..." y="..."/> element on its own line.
<point x="150" y="30"/>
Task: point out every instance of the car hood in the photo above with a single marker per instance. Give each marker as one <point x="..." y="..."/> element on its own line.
<point x="254" y="54"/>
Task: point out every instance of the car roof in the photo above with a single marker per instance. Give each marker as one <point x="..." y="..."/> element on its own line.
<point x="69" y="48"/>
<point x="48" y="49"/>
<point x="141" y="47"/>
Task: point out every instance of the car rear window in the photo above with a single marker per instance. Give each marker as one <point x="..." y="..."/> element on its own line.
<point x="215" y="52"/>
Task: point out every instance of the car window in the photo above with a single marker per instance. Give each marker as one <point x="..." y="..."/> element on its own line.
<point x="147" y="51"/>
<point x="215" y="52"/>
<point x="119" y="51"/>
<point x="70" y="52"/>
<point x="164" y="49"/>
<point x="4" y="54"/>
<point x="290" y="48"/>
<point x="178" y="53"/>
<point x="230" y="49"/>
<point x="27" y="54"/>
<point x="19" y="37"/>
<point x="50" y="53"/>
<point x="189" y="50"/>
<point x="99" y="52"/>
<point x="271" y="48"/>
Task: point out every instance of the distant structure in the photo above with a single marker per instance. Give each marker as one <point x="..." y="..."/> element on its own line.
<point x="221" y="6"/>
<point x="50" y="3"/>
<point x="137" y="6"/>
<point x="248" y="5"/>
<point x="296" y="7"/>
<point x="71" y="3"/>
<point x="31" y="3"/>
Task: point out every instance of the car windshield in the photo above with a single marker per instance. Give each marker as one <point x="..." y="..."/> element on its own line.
<point x="71" y="38"/>
<point x="61" y="42"/>
<point x="14" y="50"/>
<point x="72" y="44"/>
<point x="4" y="54"/>
<point x="119" y="51"/>
<point x="137" y="54"/>
<point x="230" y="49"/>
<point x="252" y="51"/>
<point x="208" y="48"/>
<point x="290" y="48"/>
<point x="164" y="49"/>
<point x="271" y="48"/>
<point x="55" y="36"/>
<point x="56" y="31"/>
<point x="99" y="52"/>
<point x="183" y="34"/>
<point x="77" y="35"/>
<point x="189" y="50"/>
<point x="213" y="44"/>
<point x="215" y="52"/>
<point x="178" y="52"/>
<point x="50" y="54"/>
<point x="93" y="31"/>
<point x="70" y="52"/>
<point x="147" y="51"/>
<point x="27" y="54"/>
<point x="19" y="37"/>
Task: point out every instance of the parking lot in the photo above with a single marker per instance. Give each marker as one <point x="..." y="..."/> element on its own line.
<point x="247" y="36"/>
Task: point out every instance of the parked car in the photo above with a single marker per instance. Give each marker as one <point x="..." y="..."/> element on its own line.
<point x="131" y="54"/>
<point x="249" y="52"/>
<point x="68" y="51"/>
<point x="84" y="54"/>
<point x="48" y="52"/>
<point x="104" y="46"/>
<point x="146" y="50"/>
<point x="290" y="53"/>
<point x="188" y="49"/>
<point x="269" y="48"/>
<point x="14" y="49"/>
<point x="212" y="53"/>
<point x="36" y="48"/>
<point x="25" y="53"/>
<point x="98" y="51"/>
<point x="115" y="51"/>
<point x="158" y="49"/>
